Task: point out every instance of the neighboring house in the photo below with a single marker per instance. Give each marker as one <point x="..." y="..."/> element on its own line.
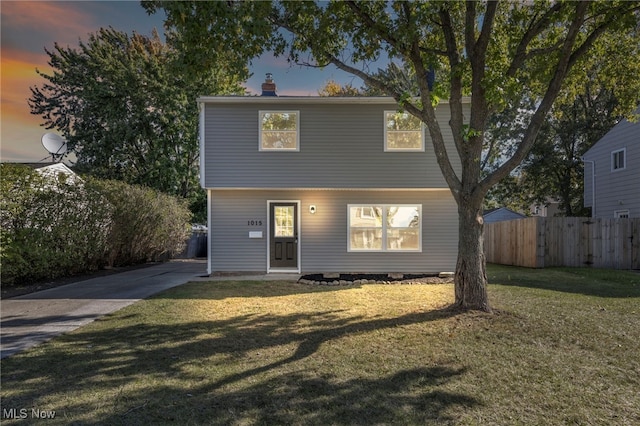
<point x="324" y="184"/>
<point x="52" y="169"/>
<point x="612" y="173"/>
<point x="549" y="208"/>
<point x="501" y="214"/>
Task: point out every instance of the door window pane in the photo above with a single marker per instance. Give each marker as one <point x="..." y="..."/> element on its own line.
<point x="284" y="221"/>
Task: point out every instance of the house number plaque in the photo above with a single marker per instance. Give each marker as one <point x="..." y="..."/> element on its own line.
<point x="254" y="223"/>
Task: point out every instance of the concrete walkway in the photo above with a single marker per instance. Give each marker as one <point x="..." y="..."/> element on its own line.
<point x="37" y="317"/>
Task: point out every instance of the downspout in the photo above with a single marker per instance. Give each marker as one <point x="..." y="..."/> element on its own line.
<point x="593" y="186"/>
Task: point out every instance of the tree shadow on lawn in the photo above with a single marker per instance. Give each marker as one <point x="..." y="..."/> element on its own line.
<point x="407" y="397"/>
<point x="211" y="372"/>
<point x="589" y="282"/>
<point x="220" y="290"/>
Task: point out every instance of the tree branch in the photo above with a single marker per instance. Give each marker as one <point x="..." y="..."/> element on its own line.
<point x="470" y="28"/>
<point x="487" y="25"/>
<point x="455" y="95"/>
<point x="553" y="89"/>
<point x="598" y="31"/>
<point x="373" y="24"/>
<point x="535" y="28"/>
<point x="487" y="157"/>
<point x="477" y="57"/>
<point x="365" y="77"/>
<point x="428" y="116"/>
<point x="543" y="51"/>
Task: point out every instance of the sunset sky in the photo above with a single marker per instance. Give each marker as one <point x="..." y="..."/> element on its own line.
<point x="28" y="27"/>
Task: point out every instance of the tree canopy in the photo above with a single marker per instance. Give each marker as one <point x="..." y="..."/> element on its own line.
<point x="332" y="88"/>
<point x="126" y="109"/>
<point x="498" y="55"/>
<point x="553" y="170"/>
<point x="604" y="89"/>
<point x="401" y="77"/>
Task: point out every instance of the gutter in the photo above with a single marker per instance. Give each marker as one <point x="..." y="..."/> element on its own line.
<point x="305" y="100"/>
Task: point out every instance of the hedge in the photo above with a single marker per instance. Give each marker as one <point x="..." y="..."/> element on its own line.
<point x="54" y="226"/>
<point x="147" y="225"/>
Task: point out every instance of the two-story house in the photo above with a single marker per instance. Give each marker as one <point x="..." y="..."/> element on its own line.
<point x="324" y="184"/>
<point x="612" y="172"/>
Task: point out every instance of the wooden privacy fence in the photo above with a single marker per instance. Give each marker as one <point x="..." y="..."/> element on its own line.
<point x="538" y="242"/>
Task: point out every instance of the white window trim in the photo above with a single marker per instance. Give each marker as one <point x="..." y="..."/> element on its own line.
<point x="386" y="146"/>
<point x="617" y="213"/>
<point x="624" y="158"/>
<point x="261" y="113"/>
<point x="384" y="229"/>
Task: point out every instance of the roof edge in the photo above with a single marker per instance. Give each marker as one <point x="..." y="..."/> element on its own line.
<point x="244" y="188"/>
<point x="385" y="100"/>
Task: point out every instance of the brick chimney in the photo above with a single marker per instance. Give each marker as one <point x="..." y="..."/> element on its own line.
<point x="269" y="86"/>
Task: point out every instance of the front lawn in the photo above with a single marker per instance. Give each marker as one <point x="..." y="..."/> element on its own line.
<point x="562" y="348"/>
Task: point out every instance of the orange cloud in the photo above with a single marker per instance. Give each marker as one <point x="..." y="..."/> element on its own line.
<point x="18" y="74"/>
<point x="61" y="21"/>
<point x="20" y="129"/>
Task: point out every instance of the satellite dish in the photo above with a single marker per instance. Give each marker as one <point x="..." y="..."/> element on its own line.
<point x="54" y="143"/>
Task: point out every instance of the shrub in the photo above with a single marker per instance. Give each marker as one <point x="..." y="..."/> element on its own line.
<point x="147" y="225"/>
<point x="51" y="226"/>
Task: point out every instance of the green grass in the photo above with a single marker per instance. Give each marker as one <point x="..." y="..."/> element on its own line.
<point x="562" y="348"/>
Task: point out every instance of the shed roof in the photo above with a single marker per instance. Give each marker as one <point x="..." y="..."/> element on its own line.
<point x="501" y="214"/>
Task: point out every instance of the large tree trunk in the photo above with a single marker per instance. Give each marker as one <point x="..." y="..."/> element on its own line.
<point x="471" y="275"/>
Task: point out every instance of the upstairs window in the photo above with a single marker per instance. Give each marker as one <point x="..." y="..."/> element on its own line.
<point x="279" y="131"/>
<point x="402" y="132"/>
<point x="618" y="160"/>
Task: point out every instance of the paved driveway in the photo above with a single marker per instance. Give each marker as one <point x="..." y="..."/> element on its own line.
<point x="34" y="318"/>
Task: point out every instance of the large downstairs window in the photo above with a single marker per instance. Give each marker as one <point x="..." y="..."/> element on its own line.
<point x="279" y="130"/>
<point x="385" y="227"/>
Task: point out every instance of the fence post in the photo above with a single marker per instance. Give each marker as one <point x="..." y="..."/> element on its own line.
<point x="587" y="242"/>
<point x="541" y="242"/>
<point x="635" y="244"/>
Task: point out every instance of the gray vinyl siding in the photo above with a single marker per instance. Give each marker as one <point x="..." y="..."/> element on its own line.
<point x="341" y="146"/>
<point x="615" y="189"/>
<point x="323" y="235"/>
